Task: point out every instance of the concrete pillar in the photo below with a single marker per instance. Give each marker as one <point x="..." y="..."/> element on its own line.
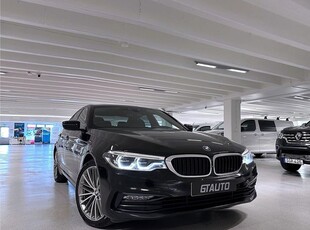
<point x="232" y="124"/>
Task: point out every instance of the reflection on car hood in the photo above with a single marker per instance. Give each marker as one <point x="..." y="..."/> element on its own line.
<point x="167" y="142"/>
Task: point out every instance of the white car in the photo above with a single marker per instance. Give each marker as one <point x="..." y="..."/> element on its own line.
<point x="258" y="135"/>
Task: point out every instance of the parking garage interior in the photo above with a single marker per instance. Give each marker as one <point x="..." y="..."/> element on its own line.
<point x="202" y="62"/>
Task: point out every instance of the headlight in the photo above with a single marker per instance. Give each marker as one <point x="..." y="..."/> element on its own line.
<point x="134" y="161"/>
<point x="247" y="157"/>
<point x="280" y="135"/>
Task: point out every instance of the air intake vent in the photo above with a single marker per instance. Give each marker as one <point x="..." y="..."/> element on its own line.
<point x="227" y="164"/>
<point x="189" y="165"/>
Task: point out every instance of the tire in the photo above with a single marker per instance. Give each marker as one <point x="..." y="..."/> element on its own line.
<point x="89" y="204"/>
<point x="58" y="177"/>
<point x="290" y="167"/>
<point x="258" y="154"/>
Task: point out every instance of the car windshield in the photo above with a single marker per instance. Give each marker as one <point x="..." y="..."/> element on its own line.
<point x="219" y="126"/>
<point x="308" y="124"/>
<point x="133" y="118"/>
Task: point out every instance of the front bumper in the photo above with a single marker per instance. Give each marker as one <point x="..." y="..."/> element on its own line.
<point x="300" y="151"/>
<point x="170" y="194"/>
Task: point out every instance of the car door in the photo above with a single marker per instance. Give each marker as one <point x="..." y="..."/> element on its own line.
<point x="77" y="146"/>
<point x="68" y="137"/>
<point x="249" y="135"/>
<point x="63" y="145"/>
<point x="267" y="136"/>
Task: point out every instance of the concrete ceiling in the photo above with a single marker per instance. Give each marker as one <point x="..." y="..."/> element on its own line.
<point x="117" y="51"/>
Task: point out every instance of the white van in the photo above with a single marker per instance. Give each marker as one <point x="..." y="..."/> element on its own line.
<point x="258" y="135"/>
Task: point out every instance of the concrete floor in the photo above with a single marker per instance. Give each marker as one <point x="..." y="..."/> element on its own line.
<point x="30" y="199"/>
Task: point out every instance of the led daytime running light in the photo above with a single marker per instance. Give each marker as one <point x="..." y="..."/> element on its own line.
<point x="134" y="161"/>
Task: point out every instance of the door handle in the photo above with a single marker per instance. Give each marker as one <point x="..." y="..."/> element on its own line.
<point x="255" y="134"/>
<point x="262" y="134"/>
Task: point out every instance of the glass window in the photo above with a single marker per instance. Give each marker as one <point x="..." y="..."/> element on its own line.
<point x="4" y="131"/>
<point x="248" y="126"/>
<point x="146" y="121"/>
<point x="162" y="122"/>
<point x="219" y="126"/>
<point x="75" y="116"/>
<point x="267" y="126"/>
<point x="204" y="128"/>
<point x="133" y="117"/>
<point x="82" y="118"/>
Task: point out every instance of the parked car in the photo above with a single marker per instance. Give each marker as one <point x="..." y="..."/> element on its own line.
<point x="202" y="128"/>
<point x="293" y="147"/>
<point x="258" y="135"/>
<point x="130" y="163"/>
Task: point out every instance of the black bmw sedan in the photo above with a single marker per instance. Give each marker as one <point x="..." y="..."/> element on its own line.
<point x="131" y="163"/>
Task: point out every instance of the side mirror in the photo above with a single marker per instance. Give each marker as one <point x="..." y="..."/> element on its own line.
<point x="189" y="127"/>
<point x="71" y="125"/>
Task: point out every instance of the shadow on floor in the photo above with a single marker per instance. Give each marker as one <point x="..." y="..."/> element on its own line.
<point x="219" y="220"/>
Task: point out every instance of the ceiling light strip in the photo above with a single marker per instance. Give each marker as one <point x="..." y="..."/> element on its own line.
<point x="238" y="70"/>
<point x="218" y="66"/>
<point x="205" y="65"/>
<point x="157" y="90"/>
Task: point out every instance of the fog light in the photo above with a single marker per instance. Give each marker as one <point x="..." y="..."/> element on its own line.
<point x="137" y="197"/>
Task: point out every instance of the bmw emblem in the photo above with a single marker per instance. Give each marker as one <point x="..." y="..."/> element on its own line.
<point x="298" y="136"/>
<point x="206" y="148"/>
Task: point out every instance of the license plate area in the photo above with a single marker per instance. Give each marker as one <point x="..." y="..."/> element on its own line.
<point x="207" y="188"/>
<point x="293" y="161"/>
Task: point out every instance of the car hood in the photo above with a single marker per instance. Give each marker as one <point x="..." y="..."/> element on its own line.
<point x="166" y="142"/>
<point x="296" y="129"/>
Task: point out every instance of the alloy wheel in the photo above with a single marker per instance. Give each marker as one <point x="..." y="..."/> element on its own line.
<point x="89" y="196"/>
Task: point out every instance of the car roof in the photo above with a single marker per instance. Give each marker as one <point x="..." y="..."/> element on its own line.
<point x="118" y="106"/>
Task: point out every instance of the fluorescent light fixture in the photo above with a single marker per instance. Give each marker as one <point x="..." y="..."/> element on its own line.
<point x="238" y="70"/>
<point x="2" y="72"/>
<point x="169" y="91"/>
<point x="219" y="66"/>
<point x="157" y="90"/>
<point x="205" y="65"/>
<point x="63" y="100"/>
<point x="146" y="89"/>
<point x="299" y="97"/>
<point x="127" y="100"/>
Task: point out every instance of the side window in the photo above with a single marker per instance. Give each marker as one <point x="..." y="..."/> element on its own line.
<point x="204" y="128"/>
<point x="75" y="116"/>
<point x="82" y="118"/>
<point x="248" y="126"/>
<point x="267" y="126"/>
<point x="146" y="121"/>
<point x="163" y="122"/>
